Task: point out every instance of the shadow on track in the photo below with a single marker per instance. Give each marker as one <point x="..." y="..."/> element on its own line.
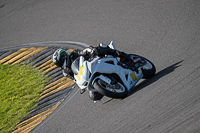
<point x="157" y="76"/>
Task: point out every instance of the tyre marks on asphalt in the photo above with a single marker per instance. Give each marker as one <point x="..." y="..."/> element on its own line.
<point x="54" y="92"/>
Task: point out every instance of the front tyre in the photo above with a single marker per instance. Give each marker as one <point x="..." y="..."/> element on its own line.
<point x="110" y="90"/>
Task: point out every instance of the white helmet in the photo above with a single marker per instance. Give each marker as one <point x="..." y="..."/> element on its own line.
<point x="59" y="57"/>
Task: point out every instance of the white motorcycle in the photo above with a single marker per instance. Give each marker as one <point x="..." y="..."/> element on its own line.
<point x="109" y="76"/>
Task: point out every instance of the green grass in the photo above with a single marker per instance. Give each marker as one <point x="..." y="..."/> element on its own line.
<point x="20" y="86"/>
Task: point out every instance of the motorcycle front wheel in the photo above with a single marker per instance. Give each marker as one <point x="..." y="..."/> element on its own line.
<point x="110" y="90"/>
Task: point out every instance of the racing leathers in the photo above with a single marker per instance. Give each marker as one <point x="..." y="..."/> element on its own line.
<point x="66" y="68"/>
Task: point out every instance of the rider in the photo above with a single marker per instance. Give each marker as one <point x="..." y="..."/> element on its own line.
<point x="64" y="60"/>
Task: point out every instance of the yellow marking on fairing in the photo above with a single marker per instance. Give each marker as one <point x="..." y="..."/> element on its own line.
<point x="133" y="76"/>
<point x="78" y="76"/>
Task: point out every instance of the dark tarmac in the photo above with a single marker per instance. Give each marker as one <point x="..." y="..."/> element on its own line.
<point x="167" y="32"/>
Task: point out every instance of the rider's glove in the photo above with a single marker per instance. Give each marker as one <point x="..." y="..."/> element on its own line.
<point x="90" y="50"/>
<point x="94" y="51"/>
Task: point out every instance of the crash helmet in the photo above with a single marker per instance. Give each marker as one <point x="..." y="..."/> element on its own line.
<point x="60" y="57"/>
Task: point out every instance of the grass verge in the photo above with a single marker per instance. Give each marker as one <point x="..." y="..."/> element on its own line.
<point x="20" y="86"/>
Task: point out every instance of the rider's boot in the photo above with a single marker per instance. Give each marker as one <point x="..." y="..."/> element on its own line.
<point x="82" y="91"/>
<point x="95" y="96"/>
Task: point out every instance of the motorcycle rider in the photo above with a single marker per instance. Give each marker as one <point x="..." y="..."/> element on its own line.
<point x="64" y="60"/>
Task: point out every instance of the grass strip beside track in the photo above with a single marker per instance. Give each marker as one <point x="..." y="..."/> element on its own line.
<point x="20" y="88"/>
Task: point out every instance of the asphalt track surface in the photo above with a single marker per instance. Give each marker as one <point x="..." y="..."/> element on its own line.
<point x="165" y="31"/>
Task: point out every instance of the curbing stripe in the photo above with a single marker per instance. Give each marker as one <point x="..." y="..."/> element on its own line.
<point x="51" y="97"/>
<point x="29" y="120"/>
<point x="46" y="107"/>
<point x="55" y="82"/>
<point x="27" y="127"/>
<point x="55" y="86"/>
<point x="48" y="65"/>
<point x="47" y="103"/>
<point x="45" y="64"/>
<point x="2" y="52"/>
<point x="53" y="72"/>
<point x="68" y="84"/>
<point x="55" y="91"/>
<point x="54" y="79"/>
<point x="49" y="53"/>
<point x="50" y="68"/>
<point x="37" y="55"/>
<point x="17" y="57"/>
<point x="55" y="75"/>
<point x="42" y="108"/>
<point x="48" y="57"/>
<point x="7" y="53"/>
<point x="12" y="55"/>
<point x="30" y="55"/>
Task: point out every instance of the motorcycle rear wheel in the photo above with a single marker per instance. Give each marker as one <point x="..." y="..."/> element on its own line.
<point x="148" y="69"/>
<point x="117" y="90"/>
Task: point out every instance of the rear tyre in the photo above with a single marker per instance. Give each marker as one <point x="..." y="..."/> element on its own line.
<point x="148" y="72"/>
<point x="113" y="91"/>
<point x="148" y="68"/>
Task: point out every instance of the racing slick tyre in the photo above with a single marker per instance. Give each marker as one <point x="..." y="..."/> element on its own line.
<point x="148" y="68"/>
<point x="110" y="90"/>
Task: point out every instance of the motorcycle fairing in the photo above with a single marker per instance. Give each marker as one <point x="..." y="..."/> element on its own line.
<point x="87" y="70"/>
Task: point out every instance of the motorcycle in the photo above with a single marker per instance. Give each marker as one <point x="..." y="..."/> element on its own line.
<point x="110" y="76"/>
